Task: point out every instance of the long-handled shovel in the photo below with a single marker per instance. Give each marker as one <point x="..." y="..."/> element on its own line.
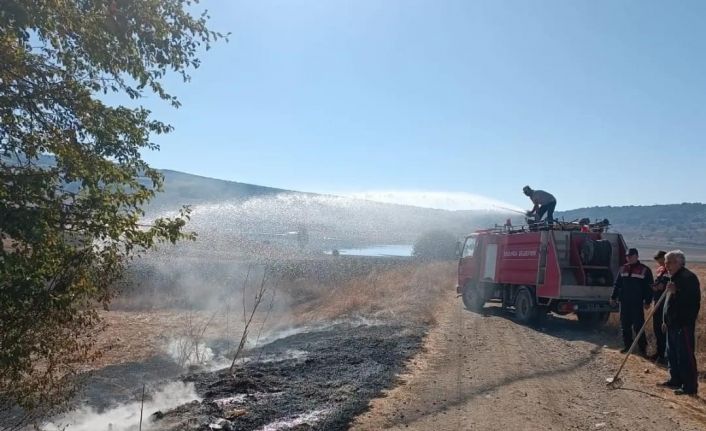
<point x="615" y="382"/>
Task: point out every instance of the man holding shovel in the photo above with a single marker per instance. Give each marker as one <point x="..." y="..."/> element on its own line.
<point x="680" y="312"/>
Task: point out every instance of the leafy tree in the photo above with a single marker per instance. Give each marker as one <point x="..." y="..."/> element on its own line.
<point x="72" y="180"/>
<point x="435" y="245"/>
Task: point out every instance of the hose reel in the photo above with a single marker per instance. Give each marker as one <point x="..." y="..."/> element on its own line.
<point x="596" y="252"/>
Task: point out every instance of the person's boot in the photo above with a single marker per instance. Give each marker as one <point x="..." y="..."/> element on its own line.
<point x="682" y="391"/>
<point x="627" y="342"/>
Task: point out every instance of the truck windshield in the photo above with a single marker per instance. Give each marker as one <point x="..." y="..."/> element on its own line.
<point x="469" y="247"/>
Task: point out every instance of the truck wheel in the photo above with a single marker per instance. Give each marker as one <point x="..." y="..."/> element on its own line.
<point x="525" y="308"/>
<point x="473" y="297"/>
<point x="593" y="320"/>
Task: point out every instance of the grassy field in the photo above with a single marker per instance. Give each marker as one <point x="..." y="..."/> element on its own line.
<point x="409" y="291"/>
<point x="299" y="294"/>
<point x="353" y="288"/>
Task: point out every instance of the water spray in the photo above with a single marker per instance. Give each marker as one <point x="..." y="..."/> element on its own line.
<point x="510" y="209"/>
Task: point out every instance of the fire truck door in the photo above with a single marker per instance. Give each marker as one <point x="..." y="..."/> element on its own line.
<point x="491" y="258"/>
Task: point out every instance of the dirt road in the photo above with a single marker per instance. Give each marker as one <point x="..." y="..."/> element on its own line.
<point x="480" y="372"/>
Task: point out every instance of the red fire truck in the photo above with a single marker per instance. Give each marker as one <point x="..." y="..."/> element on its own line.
<point x="569" y="268"/>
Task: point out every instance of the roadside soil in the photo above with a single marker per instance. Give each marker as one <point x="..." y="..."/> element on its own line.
<point x="483" y="372"/>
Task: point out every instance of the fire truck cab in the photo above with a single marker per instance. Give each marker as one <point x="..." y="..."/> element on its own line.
<point x="564" y="269"/>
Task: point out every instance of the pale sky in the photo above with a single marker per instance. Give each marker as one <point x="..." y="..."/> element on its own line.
<point x="598" y="102"/>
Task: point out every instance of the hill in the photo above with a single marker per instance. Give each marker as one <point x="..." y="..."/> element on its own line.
<point x="239" y="214"/>
<point x="680" y="223"/>
<point x="683" y="224"/>
<point x="186" y="189"/>
<point x="655" y="226"/>
<point x="180" y="188"/>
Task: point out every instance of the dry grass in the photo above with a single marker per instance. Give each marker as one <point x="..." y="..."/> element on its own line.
<point x="409" y="292"/>
<point x="404" y="290"/>
<point x="139" y="335"/>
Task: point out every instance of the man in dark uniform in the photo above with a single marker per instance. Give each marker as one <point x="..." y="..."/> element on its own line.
<point x="680" y="313"/>
<point x="658" y="288"/>
<point x="544" y="203"/>
<point x="633" y="289"/>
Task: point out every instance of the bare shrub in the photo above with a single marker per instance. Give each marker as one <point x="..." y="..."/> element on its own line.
<point x="190" y="346"/>
<point x="248" y="316"/>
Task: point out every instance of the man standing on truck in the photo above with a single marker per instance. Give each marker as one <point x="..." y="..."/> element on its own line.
<point x="633" y="289"/>
<point x="658" y="288"/>
<point x="680" y="313"/>
<point x="544" y="203"/>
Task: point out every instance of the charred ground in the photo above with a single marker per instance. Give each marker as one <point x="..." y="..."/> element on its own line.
<point x="342" y="369"/>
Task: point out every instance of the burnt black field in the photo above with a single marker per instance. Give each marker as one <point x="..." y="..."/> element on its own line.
<point x="345" y="366"/>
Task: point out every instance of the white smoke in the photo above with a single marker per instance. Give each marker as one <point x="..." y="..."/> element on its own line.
<point x="187" y="352"/>
<point x="125" y="417"/>
<point x="354" y="322"/>
<point x="452" y="201"/>
<point x="310" y="418"/>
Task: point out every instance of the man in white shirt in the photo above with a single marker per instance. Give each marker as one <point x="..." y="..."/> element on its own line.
<point x="544" y="203"/>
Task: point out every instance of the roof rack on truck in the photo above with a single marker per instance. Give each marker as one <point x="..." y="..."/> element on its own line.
<point x="578" y="225"/>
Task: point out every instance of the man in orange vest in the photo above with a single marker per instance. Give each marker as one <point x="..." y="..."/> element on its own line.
<point x="633" y="289"/>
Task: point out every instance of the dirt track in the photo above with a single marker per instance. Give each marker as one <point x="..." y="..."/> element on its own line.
<point x="488" y="372"/>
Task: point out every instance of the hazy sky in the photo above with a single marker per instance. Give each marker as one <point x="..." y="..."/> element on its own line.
<point x="598" y="102"/>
